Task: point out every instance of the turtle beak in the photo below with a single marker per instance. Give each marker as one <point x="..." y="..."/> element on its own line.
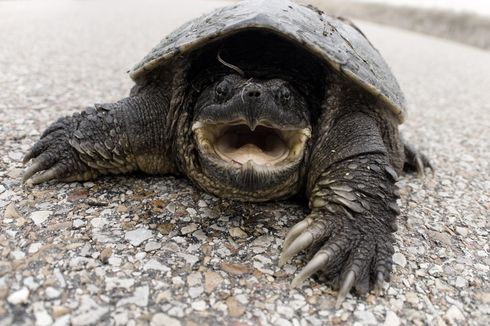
<point x="251" y="122"/>
<point x="261" y="142"/>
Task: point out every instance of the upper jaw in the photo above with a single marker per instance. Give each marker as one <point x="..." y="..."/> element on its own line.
<point x="259" y="145"/>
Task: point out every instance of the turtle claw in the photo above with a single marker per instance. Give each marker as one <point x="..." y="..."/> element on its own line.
<point x="315" y="264"/>
<point x="303" y="235"/>
<point x="301" y="242"/>
<point x="345" y="287"/>
<point x="416" y="161"/>
<point x="296" y="230"/>
<point x="45" y="176"/>
<point x="378" y="285"/>
<point x="39" y="164"/>
<point x="356" y="260"/>
<point x="52" y="157"/>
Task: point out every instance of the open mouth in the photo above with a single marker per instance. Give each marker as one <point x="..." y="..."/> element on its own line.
<point x="238" y="144"/>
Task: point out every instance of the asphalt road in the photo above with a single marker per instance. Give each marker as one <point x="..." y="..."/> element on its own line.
<point x="138" y="250"/>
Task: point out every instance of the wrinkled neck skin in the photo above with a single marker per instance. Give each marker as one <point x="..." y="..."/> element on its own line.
<point x="245" y="139"/>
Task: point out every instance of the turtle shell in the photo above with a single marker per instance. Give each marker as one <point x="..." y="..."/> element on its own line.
<point x="335" y="41"/>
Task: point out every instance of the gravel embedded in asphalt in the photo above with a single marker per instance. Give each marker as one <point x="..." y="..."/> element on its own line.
<point x="155" y="250"/>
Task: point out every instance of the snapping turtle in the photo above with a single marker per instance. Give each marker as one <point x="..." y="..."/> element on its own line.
<point x="258" y="101"/>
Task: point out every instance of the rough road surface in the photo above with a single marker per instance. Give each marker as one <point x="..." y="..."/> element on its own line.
<point x="143" y="250"/>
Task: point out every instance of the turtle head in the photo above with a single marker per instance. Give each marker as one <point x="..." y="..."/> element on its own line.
<point x="251" y="136"/>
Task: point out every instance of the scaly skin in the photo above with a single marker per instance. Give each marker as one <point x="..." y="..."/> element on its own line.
<point x="352" y="196"/>
<point x="114" y="138"/>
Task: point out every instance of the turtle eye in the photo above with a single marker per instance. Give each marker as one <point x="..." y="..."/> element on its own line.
<point x="222" y="90"/>
<point x="282" y="94"/>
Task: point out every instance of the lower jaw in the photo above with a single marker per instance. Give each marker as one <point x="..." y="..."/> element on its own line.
<point x="247" y="184"/>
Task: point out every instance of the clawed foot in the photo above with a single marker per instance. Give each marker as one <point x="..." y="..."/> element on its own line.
<point x="53" y="157"/>
<point x="416" y="161"/>
<point x="349" y="257"/>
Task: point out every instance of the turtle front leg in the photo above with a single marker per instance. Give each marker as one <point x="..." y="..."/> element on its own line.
<point x="353" y="210"/>
<point x="105" y="139"/>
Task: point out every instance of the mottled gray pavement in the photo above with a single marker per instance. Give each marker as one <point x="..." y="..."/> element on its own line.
<point x="140" y="250"/>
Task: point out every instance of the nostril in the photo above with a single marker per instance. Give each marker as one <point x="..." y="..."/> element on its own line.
<point x="253" y="93"/>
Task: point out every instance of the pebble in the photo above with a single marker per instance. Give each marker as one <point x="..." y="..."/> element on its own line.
<point x="178" y="281"/>
<point x="194" y="279"/>
<point x="99" y="222"/>
<point x="19" y="296"/>
<point x="138" y="236"/>
<point x="11" y="212"/>
<point x="436" y="270"/>
<point x="121" y="317"/>
<point x="161" y="319"/>
<point x="164" y="296"/>
<point x="391" y="319"/>
<point x="171" y="207"/>
<point x="399" y="259"/>
<point x="235" y="269"/>
<point x="154" y="264"/>
<point x="86" y="250"/>
<point x="201" y="203"/>
<point x="195" y="292"/>
<point x="105" y="254"/>
<point x="16" y="156"/>
<point x="200" y="235"/>
<point x="78" y="223"/>
<point x="462" y="231"/>
<point x="114" y="282"/>
<point x="52" y="293"/>
<point x="453" y="314"/>
<point x="140" y="255"/>
<point x="484" y="297"/>
<point x="152" y="246"/>
<point x="62" y="321"/>
<point x="366" y="317"/>
<point x="176" y="312"/>
<point x="199" y="305"/>
<point x="59" y="311"/>
<point x="460" y="282"/>
<point x="59" y="277"/>
<point x="189" y="228"/>
<point x="238" y="233"/>
<point x="31" y="283"/>
<point x="262" y="241"/>
<point x="412" y="297"/>
<point x="39" y="217"/>
<point x="89" y="312"/>
<point x="286" y="311"/>
<point x="235" y="309"/>
<point x="283" y="322"/>
<point x="211" y="281"/>
<point x="115" y="261"/>
<point x="41" y="315"/>
<point x="17" y="254"/>
<point x="189" y="259"/>
<point x="139" y="298"/>
<point x="34" y="247"/>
